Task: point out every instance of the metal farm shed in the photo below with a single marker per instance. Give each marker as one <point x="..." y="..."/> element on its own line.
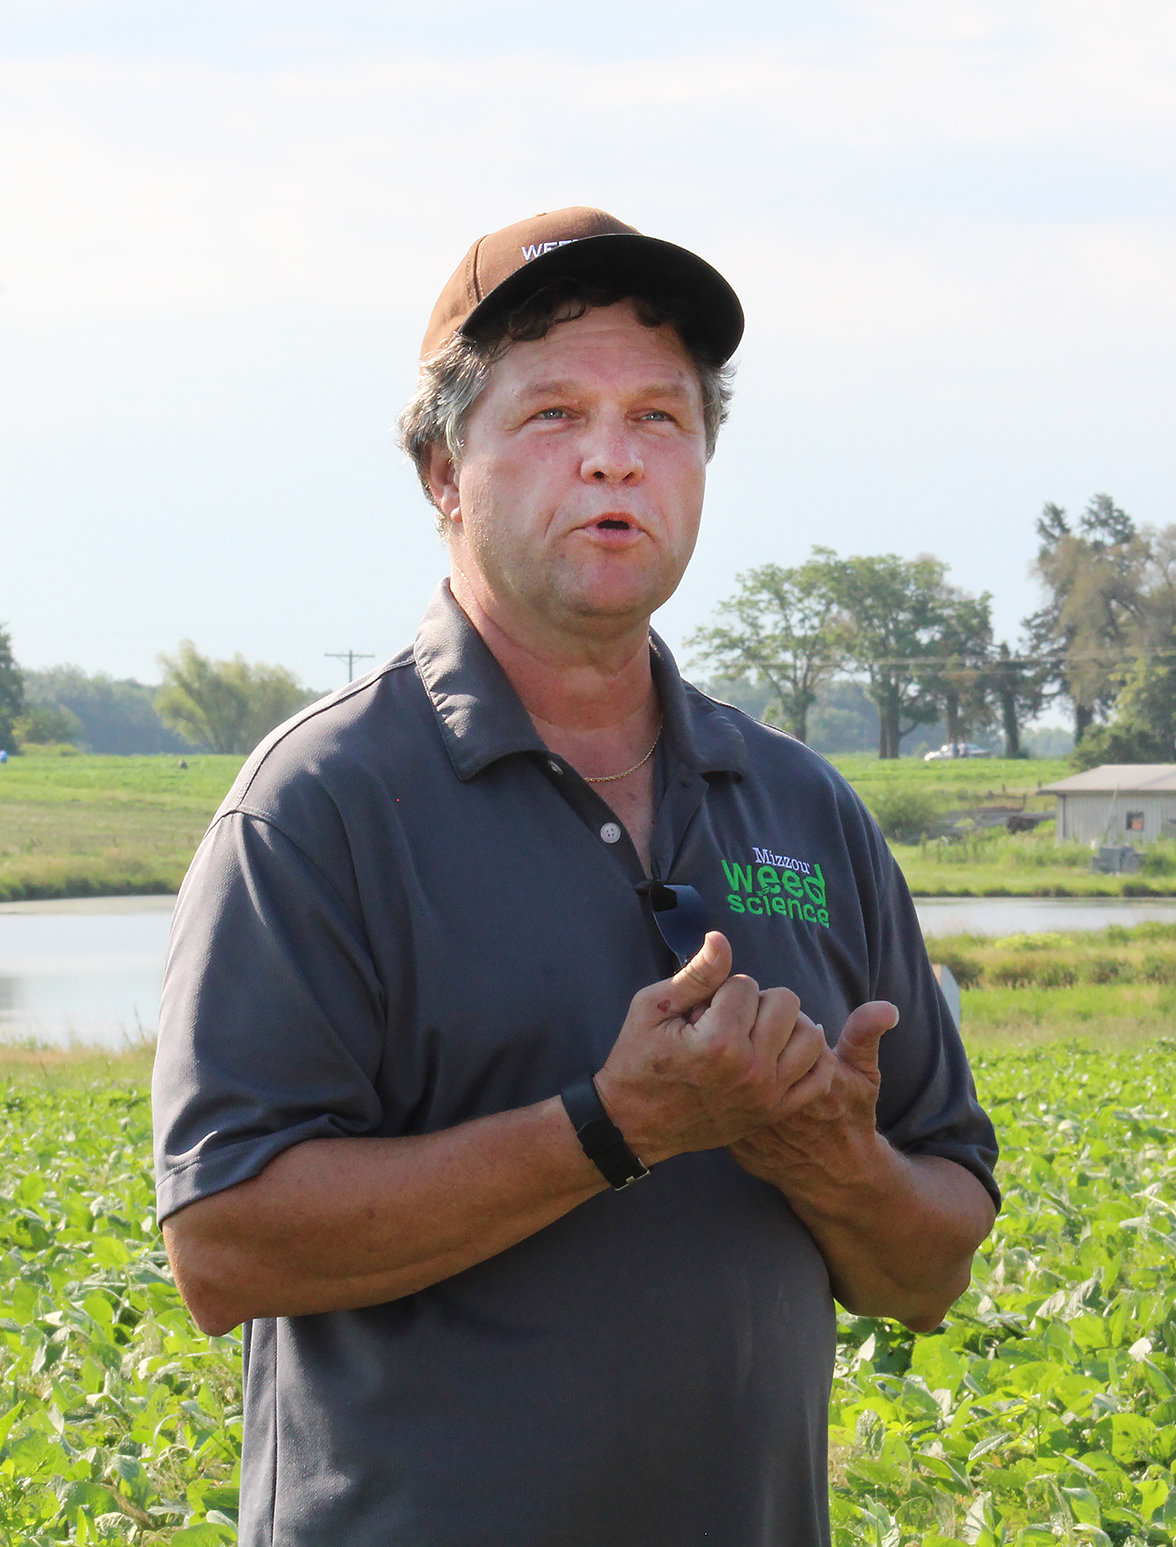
<point x="1119" y="803"/>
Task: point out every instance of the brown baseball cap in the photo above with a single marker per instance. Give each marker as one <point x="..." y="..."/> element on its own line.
<point x="506" y="268"/>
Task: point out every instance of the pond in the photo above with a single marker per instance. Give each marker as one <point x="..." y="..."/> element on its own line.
<point x="83" y="971"/>
<point x="1035" y="915"/>
<point x="90" y="970"/>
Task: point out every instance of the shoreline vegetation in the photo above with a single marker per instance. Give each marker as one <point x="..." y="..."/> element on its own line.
<point x="92" y="825"/>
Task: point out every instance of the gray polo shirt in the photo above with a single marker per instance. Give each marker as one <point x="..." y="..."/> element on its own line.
<point x="408" y="913"/>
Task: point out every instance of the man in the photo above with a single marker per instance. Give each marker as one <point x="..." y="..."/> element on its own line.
<point x="487" y="1299"/>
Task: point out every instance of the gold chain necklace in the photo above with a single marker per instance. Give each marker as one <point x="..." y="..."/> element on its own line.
<point x="612" y="778"/>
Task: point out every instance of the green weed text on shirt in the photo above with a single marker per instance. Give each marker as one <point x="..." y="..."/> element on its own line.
<point x="768" y="890"/>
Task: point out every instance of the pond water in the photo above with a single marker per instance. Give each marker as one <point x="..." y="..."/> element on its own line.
<point x="86" y="971"/>
<point x="90" y="971"/>
<point x="1035" y="915"/>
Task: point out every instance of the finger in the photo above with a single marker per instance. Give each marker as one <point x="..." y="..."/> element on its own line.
<point x="699" y="980"/>
<point x="731" y="1015"/>
<point x="862" y="1032"/>
<point x="803" y="1052"/>
<point x="776" y="1016"/>
<point x="813" y="1085"/>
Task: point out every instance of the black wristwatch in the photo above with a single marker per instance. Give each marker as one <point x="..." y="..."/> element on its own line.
<point x="600" y="1138"/>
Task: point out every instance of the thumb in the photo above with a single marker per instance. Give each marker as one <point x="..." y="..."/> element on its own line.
<point x="700" y="979"/>
<point x="862" y="1032"/>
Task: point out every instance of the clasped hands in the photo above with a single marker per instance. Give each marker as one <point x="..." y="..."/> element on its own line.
<point x="706" y="1060"/>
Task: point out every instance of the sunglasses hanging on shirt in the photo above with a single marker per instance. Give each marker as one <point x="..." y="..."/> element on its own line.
<point x="681" y="917"/>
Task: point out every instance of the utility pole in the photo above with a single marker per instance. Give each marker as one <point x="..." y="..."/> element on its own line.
<point x="350" y="656"/>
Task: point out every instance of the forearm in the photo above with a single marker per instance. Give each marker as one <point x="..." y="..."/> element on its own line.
<point x="336" y="1224"/>
<point x="900" y="1241"/>
<point x="897" y="1232"/>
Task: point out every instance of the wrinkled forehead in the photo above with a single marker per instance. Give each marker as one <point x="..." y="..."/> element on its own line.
<point x="606" y="350"/>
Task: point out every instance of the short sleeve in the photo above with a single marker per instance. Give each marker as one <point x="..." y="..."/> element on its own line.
<point x="927" y="1103"/>
<point x="272" y="1022"/>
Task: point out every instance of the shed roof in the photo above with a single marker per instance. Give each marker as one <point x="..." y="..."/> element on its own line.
<point x="1124" y="777"/>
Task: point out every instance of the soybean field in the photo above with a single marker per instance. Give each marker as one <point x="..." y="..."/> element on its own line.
<point x="1043" y="1411"/>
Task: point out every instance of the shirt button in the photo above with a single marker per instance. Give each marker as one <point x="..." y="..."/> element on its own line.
<point x="610" y="832"/>
<point x="554" y="766"/>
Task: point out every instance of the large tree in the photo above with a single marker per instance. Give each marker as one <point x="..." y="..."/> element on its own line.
<point x="958" y="678"/>
<point x="780" y="628"/>
<point x="12" y="699"/>
<point x="893" y="611"/>
<point x="1018" y="687"/>
<point x="1089" y="625"/>
<point x="226" y="705"/>
<point x="1141" y="727"/>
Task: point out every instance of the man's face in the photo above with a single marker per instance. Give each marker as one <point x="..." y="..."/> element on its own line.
<point x="583" y="473"/>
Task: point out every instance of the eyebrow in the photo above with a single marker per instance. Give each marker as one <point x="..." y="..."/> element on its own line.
<point x="569" y="387"/>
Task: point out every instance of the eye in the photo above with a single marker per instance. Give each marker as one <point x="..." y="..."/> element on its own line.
<point x="552" y="413"/>
<point x="656" y="413"/>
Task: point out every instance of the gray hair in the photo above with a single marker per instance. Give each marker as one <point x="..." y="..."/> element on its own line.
<point x="452" y="379"/>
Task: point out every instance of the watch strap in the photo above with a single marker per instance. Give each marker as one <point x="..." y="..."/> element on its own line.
<point x="600" y="1138"/>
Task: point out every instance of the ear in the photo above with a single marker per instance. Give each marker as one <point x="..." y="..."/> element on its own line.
<point x="441" y="477"/>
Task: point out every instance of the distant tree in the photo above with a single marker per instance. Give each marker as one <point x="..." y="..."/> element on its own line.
<point x="44" y="724"/>
<point x="1048" y="741"/>
<point x="227" y="705"/>
<point x="12" y="700"/>
<point x="781" y="628"/>
<point x="116" y="714"/>
<point x="893" y="614"/>
<point x="843" y="719"/>
<point x="959" y="679"/>
<point x="1156" y="630"/>
<point x="1018" y="688"/>
<point x="1142" y="728"/>
<point x="754" y="698"/>
<point x="1091" y="617"/>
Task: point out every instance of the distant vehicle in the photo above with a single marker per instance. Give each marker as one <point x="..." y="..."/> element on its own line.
<point x="951" y="749"/>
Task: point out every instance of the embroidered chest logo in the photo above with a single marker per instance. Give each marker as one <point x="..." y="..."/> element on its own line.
<point x="775" y="884"/>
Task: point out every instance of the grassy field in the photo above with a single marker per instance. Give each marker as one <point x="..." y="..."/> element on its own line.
<point x="1027" y="865"/>
<point x="77" y="826"/>
<point x="85" y="826"/>
<point x="956" y="783"/>
<point x="1117" y="983"/>
<point x="992" y="862"/>
<point x="1043" y="1411"/>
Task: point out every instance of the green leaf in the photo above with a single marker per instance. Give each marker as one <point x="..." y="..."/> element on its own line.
<point x="938" y="1363"/>
<point x="109" y="1251"/>
<point x="1153" y="1494"/>
<point x="1084" y="1505"/>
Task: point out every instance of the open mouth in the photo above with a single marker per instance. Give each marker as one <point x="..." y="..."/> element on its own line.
<point x="615" y="530"/>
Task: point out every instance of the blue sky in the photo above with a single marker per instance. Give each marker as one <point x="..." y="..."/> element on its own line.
<point x="223" y="226"/>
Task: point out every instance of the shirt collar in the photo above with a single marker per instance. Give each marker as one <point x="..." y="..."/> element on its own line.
<point x="482" y="718"/>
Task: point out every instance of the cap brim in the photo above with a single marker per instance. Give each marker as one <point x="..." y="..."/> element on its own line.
<point x="644" y="261"/>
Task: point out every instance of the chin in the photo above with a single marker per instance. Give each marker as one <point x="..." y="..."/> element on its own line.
<point x="628" y="598"/>
<point x="617" y="605"/>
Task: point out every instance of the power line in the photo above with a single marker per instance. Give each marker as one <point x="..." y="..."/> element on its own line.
<point x="994" y="662"/>
<point x="350" y="656"/>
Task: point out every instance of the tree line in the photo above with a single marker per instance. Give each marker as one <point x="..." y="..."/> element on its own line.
<point x="1103" y="641"/>
<point x="217" y="706"/>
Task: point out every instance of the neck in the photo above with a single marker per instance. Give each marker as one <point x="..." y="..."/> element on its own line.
<point x="568" y="683"/>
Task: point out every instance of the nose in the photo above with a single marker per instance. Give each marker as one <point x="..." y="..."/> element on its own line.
<point x="612" y="456"/>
